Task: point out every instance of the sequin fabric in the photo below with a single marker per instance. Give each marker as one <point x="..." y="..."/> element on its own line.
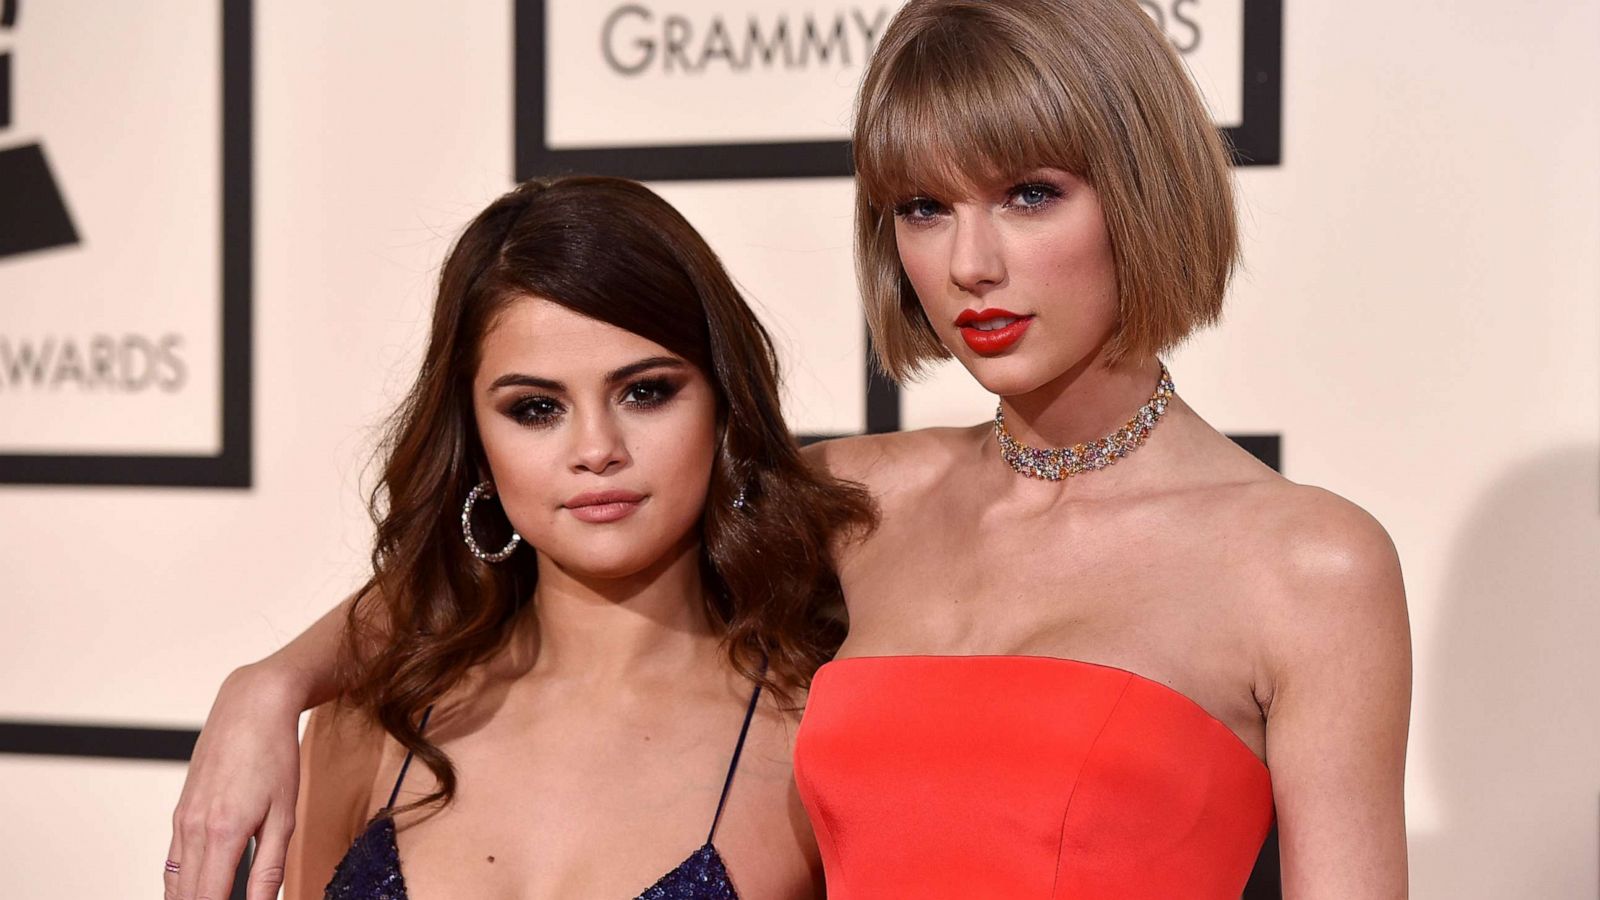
<point x="370" y="870"/>
<point x="700" y="877"/>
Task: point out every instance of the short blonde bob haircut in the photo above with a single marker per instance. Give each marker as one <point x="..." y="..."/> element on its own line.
<point x="962" y="94"/>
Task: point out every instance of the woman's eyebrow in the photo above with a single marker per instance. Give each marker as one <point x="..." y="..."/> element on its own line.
<point x="518" y="379"/>
<point x="644" y="365"/>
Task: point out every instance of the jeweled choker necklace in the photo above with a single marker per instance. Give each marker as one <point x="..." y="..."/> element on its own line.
<point x="1054" y="464"/>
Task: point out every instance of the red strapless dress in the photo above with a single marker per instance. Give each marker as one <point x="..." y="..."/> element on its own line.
<point x="1023" y="777"/>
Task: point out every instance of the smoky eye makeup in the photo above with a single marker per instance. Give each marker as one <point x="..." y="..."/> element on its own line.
<point x="650" y="393"/>
<point x="542" y="410"/>
<point x="534" y="410"/>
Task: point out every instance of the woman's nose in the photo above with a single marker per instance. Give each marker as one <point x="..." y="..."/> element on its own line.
<point x="976" y="261"/>
<point x="598" y="445"/>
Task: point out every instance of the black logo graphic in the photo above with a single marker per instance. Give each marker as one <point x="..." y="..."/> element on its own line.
<point x="33" y="215"/>
<point x="107" y="363"/>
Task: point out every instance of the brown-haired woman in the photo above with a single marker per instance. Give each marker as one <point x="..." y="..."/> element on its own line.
<point x="639" y="565"/>
<point x="1042" y="197"/>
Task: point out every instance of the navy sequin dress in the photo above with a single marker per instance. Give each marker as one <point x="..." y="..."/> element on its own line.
<point x="370" y="869"/>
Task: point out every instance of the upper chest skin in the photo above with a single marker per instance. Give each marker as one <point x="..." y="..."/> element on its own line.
<point x="1160" y="586"/>
<point x="558" y="796"/>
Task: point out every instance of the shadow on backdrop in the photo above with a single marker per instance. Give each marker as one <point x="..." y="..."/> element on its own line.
<point x="1513" y="703"/>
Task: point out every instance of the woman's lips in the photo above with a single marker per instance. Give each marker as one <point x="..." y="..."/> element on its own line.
<point x="991" y="331"/>
<point x="600" y="507"/>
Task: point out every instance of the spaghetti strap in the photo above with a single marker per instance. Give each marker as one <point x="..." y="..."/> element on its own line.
<point x="395" y="794"/>
<point x="733" y="766"/>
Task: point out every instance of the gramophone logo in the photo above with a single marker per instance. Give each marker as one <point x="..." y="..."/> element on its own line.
<point x="33" y="215"/>
<point x="125" y="139"/>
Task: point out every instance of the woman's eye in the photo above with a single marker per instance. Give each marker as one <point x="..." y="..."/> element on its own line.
<point x="647" y="394"/>
<point x="1033" y="196"/>
<point x="918" y="209"/>
<point x="536" y="411"/>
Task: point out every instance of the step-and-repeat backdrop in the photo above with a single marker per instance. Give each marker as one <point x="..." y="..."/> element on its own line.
<point x="220" y="224"/>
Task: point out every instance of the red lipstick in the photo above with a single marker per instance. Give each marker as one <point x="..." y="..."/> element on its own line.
<point x="990" y="332"/>
<point x="601" y="507"/>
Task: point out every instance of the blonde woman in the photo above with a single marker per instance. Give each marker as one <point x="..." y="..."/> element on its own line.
<point x="1095" y="649"/>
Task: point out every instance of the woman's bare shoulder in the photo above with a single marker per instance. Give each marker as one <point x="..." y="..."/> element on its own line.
<point x="343" y="741"/>
<point x="1308" y="529"/>
<point x="341" y="755"/>
<point x="1313" y="531"/>
<point x="1325" y="583"/>
<point x="896" y="460"/>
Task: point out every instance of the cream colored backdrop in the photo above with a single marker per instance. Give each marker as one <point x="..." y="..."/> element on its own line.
<point x="1419" y="320"/>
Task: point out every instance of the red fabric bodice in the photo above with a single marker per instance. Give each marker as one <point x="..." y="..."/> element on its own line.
<point x="1023" y="777"/>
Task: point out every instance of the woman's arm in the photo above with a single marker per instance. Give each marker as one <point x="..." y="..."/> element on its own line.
<point x="339" y="758"/>
<point x="1339" y="705"/>
<point x="245" y="770"/>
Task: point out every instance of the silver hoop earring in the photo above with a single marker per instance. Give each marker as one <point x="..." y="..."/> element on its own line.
<point x="486" y="489"/>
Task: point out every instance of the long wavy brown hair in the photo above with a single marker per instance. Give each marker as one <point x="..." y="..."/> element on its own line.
<point x="612" y="250"/>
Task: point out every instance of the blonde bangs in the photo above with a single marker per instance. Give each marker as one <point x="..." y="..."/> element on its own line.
<point x="962" y="97"/>
<point x="954" y="115"/>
